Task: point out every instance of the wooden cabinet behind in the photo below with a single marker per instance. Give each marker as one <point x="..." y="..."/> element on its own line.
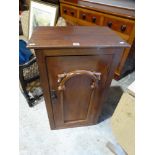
<point x="75" y="71"/>
<point x="118" y="19"/>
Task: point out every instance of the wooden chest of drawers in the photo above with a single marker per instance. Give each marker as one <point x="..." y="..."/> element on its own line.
<point x="89" y="14"/>
<point x="76" y="71"/>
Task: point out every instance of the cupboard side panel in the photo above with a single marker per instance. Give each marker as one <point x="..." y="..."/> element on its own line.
<point x="45" y="85"/>
<point x="116" y="59"/>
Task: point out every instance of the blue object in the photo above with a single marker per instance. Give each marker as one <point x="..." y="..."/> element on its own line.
<point x="24" y="52"/>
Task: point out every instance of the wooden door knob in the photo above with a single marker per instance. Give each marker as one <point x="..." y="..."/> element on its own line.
<point x="65" y="11"/>
<point x="94" y="19"/>
<point x="72" y="13"/>
<point x="123" y="28"/>
<point x="83" y="16"/>
<point x="109" y="24"/>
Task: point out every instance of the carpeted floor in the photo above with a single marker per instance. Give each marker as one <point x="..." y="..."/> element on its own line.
<point x="36" y="138"/>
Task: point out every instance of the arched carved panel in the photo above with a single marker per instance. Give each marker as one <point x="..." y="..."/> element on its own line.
<point x="77" y="86"/>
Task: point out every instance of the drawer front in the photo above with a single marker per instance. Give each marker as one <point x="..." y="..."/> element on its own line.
<point x="90" y="17"/>
<point x="69" y="11"/>
<point x="119" y="25"/>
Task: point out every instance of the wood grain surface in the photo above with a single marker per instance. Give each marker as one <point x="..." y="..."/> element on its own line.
<point x="75" y="36"/>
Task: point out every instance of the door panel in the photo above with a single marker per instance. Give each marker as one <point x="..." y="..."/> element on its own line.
<point x="78" y="82"/>
<point x="75" y="102"/>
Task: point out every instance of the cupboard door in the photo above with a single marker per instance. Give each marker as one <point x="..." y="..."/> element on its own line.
<point x="76" y="88"/>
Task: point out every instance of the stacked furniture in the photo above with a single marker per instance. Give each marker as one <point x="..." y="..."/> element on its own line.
<point x="117" y="15"/>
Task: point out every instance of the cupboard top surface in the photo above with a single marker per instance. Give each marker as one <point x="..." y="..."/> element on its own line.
<point x="75" y="37"/>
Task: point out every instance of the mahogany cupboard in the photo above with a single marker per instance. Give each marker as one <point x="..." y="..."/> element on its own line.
<point x="76" y="70"/>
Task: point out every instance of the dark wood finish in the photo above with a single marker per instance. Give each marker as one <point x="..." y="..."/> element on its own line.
<point x="76" y="71"/>
<point x="65" y="37"/>
<point x="121" y="20"/>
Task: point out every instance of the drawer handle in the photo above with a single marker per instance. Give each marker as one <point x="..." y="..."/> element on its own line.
<point x="65" y="11"/>
<point x="94" y="19"/>
<point x="123" y="28"/>
<point x="83" y="16"/>
<point x="72" y="13"/>
<point x="109" y="24"/>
